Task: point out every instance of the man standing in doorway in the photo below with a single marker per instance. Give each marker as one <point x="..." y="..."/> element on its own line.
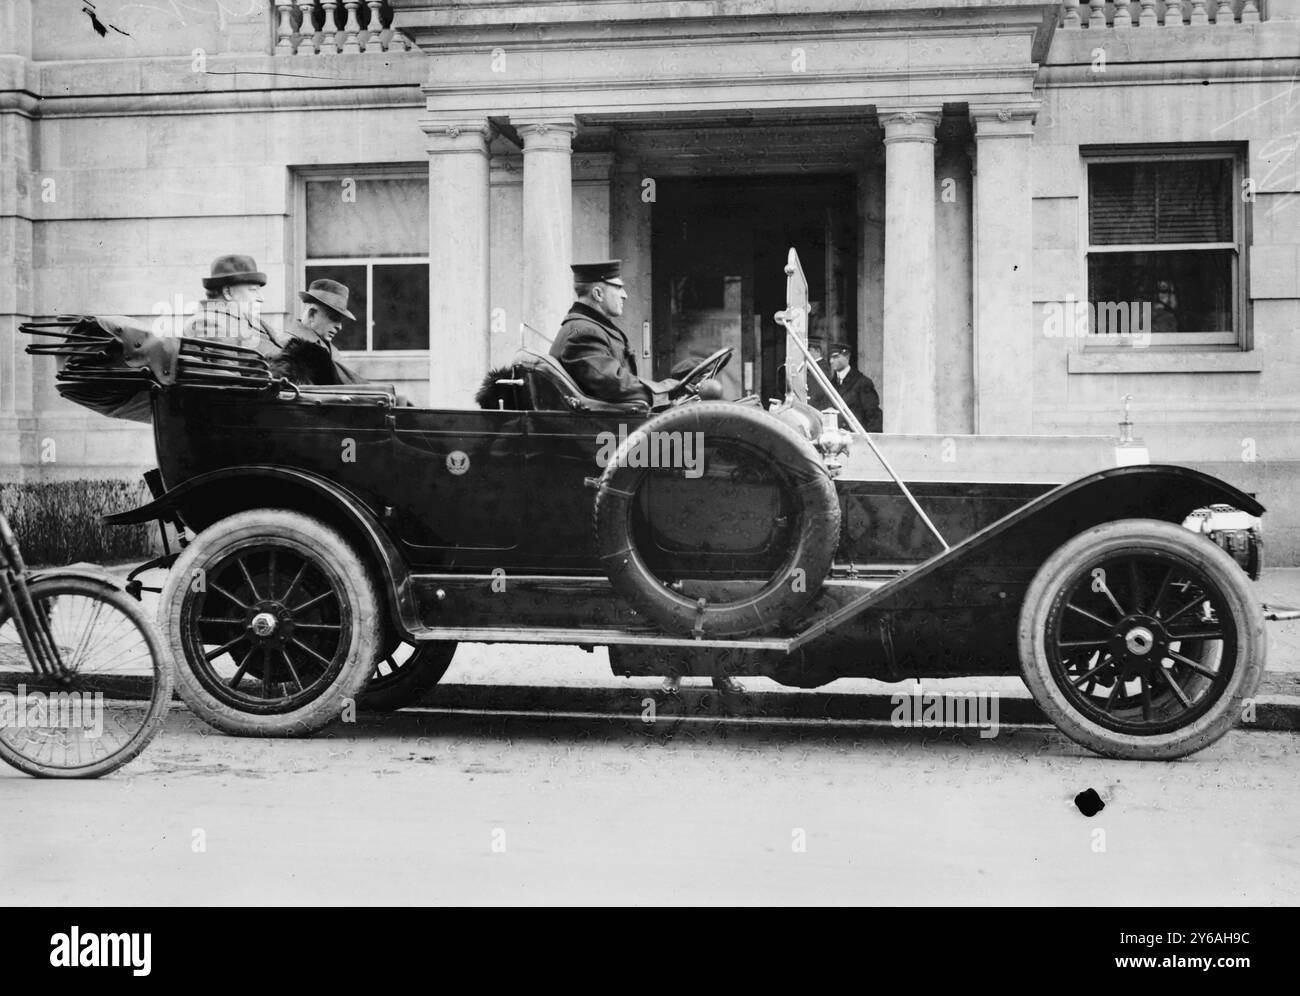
<point x="590" y="346"/>
<point x="855" y="388"/>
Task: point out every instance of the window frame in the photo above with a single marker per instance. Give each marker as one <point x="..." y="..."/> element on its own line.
<point x="1235" y="338"/>
<point x="303" y="175"/>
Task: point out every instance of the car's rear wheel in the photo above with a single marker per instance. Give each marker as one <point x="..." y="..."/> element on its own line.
<point x="274" y="623"/>
<point x="401" y="676"/>
<point x="1140" y="640"/>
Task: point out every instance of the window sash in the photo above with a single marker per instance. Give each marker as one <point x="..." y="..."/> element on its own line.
<point x="369" y="262"/>
<point x="1230" y="337"/>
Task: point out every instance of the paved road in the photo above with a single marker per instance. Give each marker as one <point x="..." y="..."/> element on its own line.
<point x="437" y="808"/>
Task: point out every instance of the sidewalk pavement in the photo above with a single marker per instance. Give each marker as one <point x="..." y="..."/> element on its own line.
<point x="531" y="678"/>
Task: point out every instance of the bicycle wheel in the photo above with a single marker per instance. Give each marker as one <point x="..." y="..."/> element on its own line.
<point x="113" y="698"/>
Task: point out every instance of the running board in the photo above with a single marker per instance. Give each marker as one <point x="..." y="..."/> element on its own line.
<point x="591" y="637"/>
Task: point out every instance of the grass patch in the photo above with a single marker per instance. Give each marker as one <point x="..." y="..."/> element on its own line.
<point x="57" y="522"/>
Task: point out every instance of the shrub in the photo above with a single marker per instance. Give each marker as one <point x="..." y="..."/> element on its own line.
<point x="57" y="522"/>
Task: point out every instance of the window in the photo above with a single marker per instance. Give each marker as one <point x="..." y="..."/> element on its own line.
<point x="371" y="233"/>
<point x="1164" y="246"/>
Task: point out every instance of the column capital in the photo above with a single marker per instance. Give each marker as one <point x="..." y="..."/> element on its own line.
<point x="1016" y="121"/>
<point x="549" y="131"/>
<point x="457" y="134"/>
<point x="909" y="124"/>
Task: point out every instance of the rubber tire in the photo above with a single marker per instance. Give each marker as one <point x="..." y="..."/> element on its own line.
<point x="311" y="537"/>
<point x="1142" y="536"/>
<point x="423" y="669"/>
<point x="818" y="528"/>
<point x="160" y="697"/>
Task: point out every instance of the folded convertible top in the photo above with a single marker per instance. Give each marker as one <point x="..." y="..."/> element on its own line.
<point x="113" y="363"/>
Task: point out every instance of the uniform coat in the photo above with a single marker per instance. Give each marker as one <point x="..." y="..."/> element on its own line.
<point x="860" y="395"/>
<point x="597" y="356"/>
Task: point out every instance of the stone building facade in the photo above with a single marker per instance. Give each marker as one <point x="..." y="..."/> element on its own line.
<point x="1016" y="212"/>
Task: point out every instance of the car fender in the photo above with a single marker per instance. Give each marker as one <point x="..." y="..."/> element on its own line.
<point x="196" y="501"/>
<point x="1012" y="549"/>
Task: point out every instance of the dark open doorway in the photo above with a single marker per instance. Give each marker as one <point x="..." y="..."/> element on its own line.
<point x="719" y="249"/>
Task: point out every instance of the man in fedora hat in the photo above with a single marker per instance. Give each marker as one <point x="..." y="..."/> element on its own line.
<point x="309" y="357"/>
<point x="231" y="310"/>
<point x="590" y="346"/>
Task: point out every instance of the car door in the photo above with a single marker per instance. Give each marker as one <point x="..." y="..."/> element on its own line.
<point x="562" y="450"/>
<point x="458" y="485"/>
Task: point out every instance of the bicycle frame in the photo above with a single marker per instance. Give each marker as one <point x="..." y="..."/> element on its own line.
<point x="32" y="626"/>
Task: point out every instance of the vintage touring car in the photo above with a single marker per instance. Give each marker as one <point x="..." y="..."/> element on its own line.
<point x="341" y="544"/>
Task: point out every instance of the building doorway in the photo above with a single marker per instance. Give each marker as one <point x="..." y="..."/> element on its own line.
<point x="718" y="253"/>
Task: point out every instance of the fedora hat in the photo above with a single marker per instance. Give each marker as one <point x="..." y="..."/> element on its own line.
<point x="331" y="294"/>
<point x="236" y="269"/>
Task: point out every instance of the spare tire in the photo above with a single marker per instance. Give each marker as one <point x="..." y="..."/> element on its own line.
<point x="734" y="545"/>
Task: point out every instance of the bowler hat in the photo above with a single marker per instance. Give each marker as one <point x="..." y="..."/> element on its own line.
<point x="608" y="272"/>
<point x="331" y="294"/>
<point x="236" y="269"/>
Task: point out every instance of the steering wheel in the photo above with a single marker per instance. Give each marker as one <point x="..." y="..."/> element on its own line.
<point x="710" y="366"/>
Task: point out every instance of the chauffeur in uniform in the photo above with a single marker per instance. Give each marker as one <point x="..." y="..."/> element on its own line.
<point x="590" y="346"/>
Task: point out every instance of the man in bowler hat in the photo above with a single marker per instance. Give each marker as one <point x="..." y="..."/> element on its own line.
<point x="856" y="388"/>
<point x="231" y="310"/>
<point x="309" y="356"/>
<point x="590" y="346"/>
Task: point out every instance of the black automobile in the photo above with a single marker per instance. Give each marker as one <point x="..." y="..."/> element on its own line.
<point x="340" y="545"/>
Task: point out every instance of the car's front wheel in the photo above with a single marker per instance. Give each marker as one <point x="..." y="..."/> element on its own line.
<point x="1141" y="640"/>
<point x="274" y="623"/>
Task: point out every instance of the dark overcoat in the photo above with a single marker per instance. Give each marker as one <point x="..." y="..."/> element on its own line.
<point x="306" y="360"/>
<point x="859" y="393"/>
<point x="597" y="356"/>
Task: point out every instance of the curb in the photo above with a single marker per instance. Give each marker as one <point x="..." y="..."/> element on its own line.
<point x="1273" y="712"/>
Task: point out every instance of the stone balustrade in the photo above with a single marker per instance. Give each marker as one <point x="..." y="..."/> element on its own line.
<point x="331" y="27"/>
<point x="1158" y="13"/>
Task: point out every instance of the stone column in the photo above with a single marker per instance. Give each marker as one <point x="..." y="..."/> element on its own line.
<point x="548" y="219"/>
<point x="629" y="240"/>
<point x="909" y="395"/>
<point x="1003" y="249"/>
<point x="459" y="304"/>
